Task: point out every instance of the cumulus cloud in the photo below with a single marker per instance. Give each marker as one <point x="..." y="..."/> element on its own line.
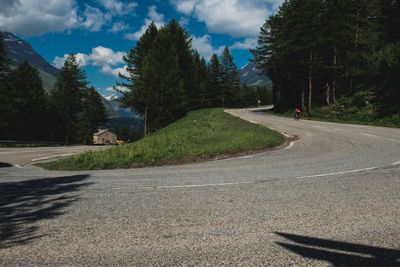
<point x="238" y="18"/>
<point x="108" y="61"/>
<point x="248" y="43"/>
<point x="32" y="17"/>
<point x="117" y="7"/>
<point x="204" y="46"/>
<point x="94" y="19"/>
<point x="82" y="60"/>
<point x="118" y="27"/>
<point x="152" y="16"/>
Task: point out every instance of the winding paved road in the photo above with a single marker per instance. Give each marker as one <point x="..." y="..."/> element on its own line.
<point x="331" y="198"/>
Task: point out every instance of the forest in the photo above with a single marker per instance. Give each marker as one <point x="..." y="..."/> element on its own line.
<point x="167" y="78"/>
<point x="70" y="113"/>
<point x="333" y="53"/>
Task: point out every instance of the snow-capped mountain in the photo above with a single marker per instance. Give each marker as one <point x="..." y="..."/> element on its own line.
<point x="250" y="75"/>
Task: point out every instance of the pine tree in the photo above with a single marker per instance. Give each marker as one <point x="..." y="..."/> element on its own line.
<point x="93" y="116"/>
<point x="230" y="78"/>
<point x="5" y="99"/>
<point x="200" y="82"/>
<point x="163" y="82"/>
<point x="28" y="101"/>
<point x="138" y="96"/>
<point x="67" y="97"/>
<point x="215" y="91"/>
<point x="181" y="41"/>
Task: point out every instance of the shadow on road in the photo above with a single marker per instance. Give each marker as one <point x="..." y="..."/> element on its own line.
<point x="5" y="165"/>
<point x="23" y="204"/>
<point x="338" y="253"/>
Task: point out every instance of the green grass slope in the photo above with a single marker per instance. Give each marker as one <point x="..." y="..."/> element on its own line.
<point x="200" y="135"/>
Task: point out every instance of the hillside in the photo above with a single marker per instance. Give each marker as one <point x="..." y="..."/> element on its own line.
<point x="19" y="50"/>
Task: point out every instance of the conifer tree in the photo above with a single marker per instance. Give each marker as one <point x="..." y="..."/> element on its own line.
<point x="4" y="94"/>
<point x="216" y="95"/>
<point x="230" y="78"/>
<point x="67" y="97"/>
<point x="29" y="103"/>
<point x="93" y="115"/>
<point x="138" y="96"/>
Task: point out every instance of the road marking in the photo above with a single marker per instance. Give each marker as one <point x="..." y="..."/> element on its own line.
<point x="244" y="157"/>
<point x="379" y="137"/>
<point x="396" y="163"/>
<point x="341" y="130"/>
<point x="290" y="145"/>
<point x="52" y="157"/>
<point x="253" y="122"/>
<point x="18" y="166"/>
<point x="337" y="173"/>
<point x="195" y="185"/>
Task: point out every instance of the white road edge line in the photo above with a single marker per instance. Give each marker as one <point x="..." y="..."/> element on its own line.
<point x="254" y="182"/>
<point x="196" y="185"/>
<point x="379" y="137"/>
<point x="396" y="163"/>
<point x="337" y="173"/>
<point x="253" y="122"/>
<point x="243" y="157"/>
<point x="18" y="166"/>
<point x="52" y="157"/>
<point x="290" y="145"/>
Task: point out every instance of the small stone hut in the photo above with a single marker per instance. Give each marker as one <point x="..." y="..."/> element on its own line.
<point x="104" y="137"/>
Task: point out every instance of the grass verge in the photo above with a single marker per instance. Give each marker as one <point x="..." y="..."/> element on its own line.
<point x="200" y="135"/>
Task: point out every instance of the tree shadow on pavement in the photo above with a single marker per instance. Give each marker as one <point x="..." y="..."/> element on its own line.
<point x="338" y="253"/>
<point x="24" y="204"/>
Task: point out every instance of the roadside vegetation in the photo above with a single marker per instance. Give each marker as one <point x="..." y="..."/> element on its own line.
<point x="200" y="135"/>
<point x="355" y="110"/>
<point x="338" y="60"/>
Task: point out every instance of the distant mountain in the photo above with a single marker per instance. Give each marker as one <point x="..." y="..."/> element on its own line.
<point x="19" y="50"/>
<point x="252" y="76"/>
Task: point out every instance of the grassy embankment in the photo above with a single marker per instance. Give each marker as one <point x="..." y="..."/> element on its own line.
<point x="200" y="135"/>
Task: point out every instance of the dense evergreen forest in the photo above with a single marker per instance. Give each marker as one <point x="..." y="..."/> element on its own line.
<point x="319" y="53"/>
<point x="167" y="78"/>
<point x="69" y="113"/>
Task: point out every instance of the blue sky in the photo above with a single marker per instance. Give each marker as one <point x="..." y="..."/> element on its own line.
<point x="101" y="31"/>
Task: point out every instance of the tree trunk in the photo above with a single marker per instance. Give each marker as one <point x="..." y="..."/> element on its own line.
<point x="334" y="76"/>
<point x="328" y="94"/>
<point x="67" y="134"/>
<point x="303" y="101"/>
<point x="310" y="81"/>
<point x="145" y="126"/>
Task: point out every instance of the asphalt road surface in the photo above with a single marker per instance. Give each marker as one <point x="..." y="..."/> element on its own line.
<point x="19" y="157"/>
<point x="331" y="198"/>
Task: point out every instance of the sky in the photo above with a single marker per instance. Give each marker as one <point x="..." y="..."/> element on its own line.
<point x="100" y="32"/>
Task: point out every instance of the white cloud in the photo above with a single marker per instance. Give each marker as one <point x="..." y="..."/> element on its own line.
<point x="184" y="6"/>
<point x="105" y="58"/>
<point x="33" y="17"/>
<point x="204" y="46"/>
<point x="248" y="43"/>
<point x="107" y="69"/>
<point x="94" y="19"/>
<point x="117" y="7"/>
<point x="101" y="56"/>
<point x="152" y="16"/>
<point x="82" y="60"/>
<point x="118" y="27"/>
<point x="238" y="18"/>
